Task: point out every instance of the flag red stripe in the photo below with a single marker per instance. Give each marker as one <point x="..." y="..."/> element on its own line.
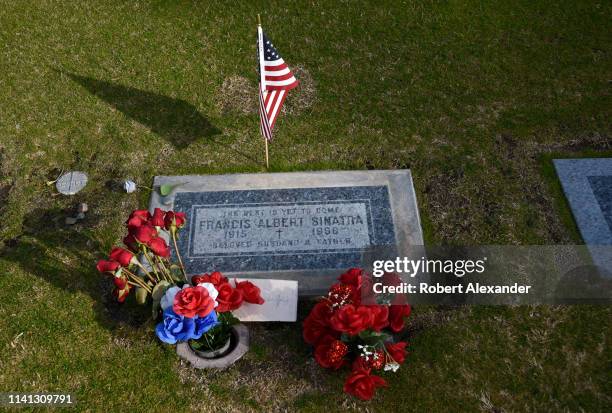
<point x="279" y="78"/>
<point x="275" y="68"/>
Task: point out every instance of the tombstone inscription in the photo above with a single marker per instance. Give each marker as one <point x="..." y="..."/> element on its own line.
<point x="304" y="226"/>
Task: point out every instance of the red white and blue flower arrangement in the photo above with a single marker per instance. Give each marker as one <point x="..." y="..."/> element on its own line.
<point x="344" y="332"/>
<point x="199" y="312"/>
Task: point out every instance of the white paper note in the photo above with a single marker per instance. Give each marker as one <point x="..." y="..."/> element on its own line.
<point x="281" y="299"/>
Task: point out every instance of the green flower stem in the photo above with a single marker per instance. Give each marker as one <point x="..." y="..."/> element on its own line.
<point x="164" y="270"/>
<point x="135" y="284"/>
<point x="142" y="267"/>
<point x="137" y="279"/>
<point x="151" y="263"/>
<point x="178" y="254"/>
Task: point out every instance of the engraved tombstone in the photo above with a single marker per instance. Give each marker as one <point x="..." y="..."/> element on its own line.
<point x="304" y="226"/>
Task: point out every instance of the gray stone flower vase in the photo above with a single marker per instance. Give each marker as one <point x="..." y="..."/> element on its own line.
<point x="238" y="346"/>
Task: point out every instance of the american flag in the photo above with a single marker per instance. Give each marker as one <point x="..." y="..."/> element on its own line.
<point x="275" y="80"/>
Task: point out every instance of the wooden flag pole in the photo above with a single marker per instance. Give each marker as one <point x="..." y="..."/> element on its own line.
<point x="261" y="74"/>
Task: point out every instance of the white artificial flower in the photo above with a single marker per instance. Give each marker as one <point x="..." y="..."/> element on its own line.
<point x="212" y="291"/>
<point x="168" y="298"/>
<point x="129" y="186"/>
<point x="392" y="367"/>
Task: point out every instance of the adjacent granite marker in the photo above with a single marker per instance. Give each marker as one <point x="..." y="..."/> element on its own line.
<point x="587" y="184"/>
<point x="305" y="226"/>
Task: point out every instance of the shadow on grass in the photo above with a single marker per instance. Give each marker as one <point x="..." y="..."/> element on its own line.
<point x="176" y="120"/>
<point x="66" y="257"/>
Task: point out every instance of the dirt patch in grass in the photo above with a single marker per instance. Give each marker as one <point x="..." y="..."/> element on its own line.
<point x="237" y="95"/>
<point x="273" y="374"/>
<point x="304" y="95"/>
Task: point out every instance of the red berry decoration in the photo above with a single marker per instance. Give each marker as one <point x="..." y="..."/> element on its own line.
<point x="340" y="294"/>
<point x="337" y="350"/>
<point x="378" y="361"/>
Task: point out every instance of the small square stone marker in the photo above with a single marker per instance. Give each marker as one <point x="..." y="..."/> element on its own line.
<point x="303" y="226"/>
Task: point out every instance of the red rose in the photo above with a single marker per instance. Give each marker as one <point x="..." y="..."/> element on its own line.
<point x="107" y="266"/>
<point x="121" y="293"/>
<point x="316" y="325"/>
<point x="119" y="282"/>
<point x="216" y="278"/>
<point x="141" y="213"/>
<point x="360" y="364"/>
<point x="380" y="317"/>
<point x="361" y="383"/>
<point x="397" y="313"/>
<point x="352" y="277"/>
<point x="192" y="301"/>
<point x="365" y="295"/>
<point x="157" y="220"/>
<point x="159" y="247"/>
<point x="138" y="218"/>
<point x="131" y="242"/>
<point x="397" y="351"/>
<point x="123" y="257"/>
<point x="250" y="292"/>
<point x="174" y="220"/>
<point x="229" y="298"/>
<point x="144" y="233"/>
<point x="351" y="319"/>
<point x="330" y="353"/>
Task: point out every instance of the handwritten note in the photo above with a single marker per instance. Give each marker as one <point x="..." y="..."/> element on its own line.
<point x="281" y="298"/>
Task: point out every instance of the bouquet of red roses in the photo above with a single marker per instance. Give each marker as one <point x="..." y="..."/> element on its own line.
<point x="344" y="332"/>
<point x="200" y="311"/>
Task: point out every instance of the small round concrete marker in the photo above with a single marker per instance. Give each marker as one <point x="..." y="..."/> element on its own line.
<point x="241" y="335"/>
<point x="71" y="182"/>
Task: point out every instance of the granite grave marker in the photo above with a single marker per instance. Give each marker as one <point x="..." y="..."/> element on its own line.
<point x="304" y="226"/>
<point x="587" y="184"/>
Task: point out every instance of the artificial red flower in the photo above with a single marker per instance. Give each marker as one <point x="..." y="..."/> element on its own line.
<point x="229" y="298"/>
<point x="397" y="313"/>
<point x="123" y="257"/>
<point x="250" y="292"/>
<point x="157" y="220"/>
<point x="144" y="233"/>
<point x="351" y="319"/>
<point x="380" y="317"/>
<point x="360" y="364"/>
<point x="131" y="242"/>
<point x="138" y="218"/>
<point x="119" y="282"/>
<point x="352" y="277"/>
<point x="192" y="301"/>
<point x="316" y="325"/>
<point x="362" y="384"/>
<point x="107" y="266"/>
<point x="330" y="353"/>
<point x="216" y="279"/>
<point x="122" y="293"/>
<point x="365" y="295"/>
<point x="174" y="220"/>
<point x="159" y="247"/>
<point x="397" y="351"/>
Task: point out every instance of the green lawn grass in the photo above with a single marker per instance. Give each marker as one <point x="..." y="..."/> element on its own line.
<point x="474" y="97"/>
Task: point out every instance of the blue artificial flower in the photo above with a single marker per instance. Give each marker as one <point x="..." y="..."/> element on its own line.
<point x="175" y="327"/>
<point x="203" y="324"/>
